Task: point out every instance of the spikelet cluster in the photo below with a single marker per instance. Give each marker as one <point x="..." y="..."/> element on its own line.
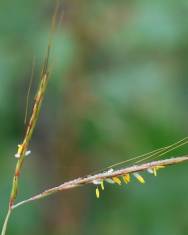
<point x="123" y="179"/>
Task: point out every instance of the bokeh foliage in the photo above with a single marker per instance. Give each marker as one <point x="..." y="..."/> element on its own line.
<point x="118" y="88"/>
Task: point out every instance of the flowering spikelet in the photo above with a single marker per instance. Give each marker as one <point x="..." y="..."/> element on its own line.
<point x="116" y="180"/>
<point x="101" y="183"/>
<point x="110" y="181"/>
<point x="155" y="169"/>
<point x="20" y="149"/>
<point x="139" y="178"/>
<point x="126" y="178"/>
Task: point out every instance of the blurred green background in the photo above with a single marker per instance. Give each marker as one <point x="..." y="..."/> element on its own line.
<point x="118" y="88"/>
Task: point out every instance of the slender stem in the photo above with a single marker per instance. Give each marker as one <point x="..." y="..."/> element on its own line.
<point x="3" y="232"/>
<point x="22" y="148"/>
<point x="102" y="176"/>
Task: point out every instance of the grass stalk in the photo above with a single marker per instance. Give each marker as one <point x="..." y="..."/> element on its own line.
<point x="23" y="147"/>
<point x="102" y="176"/>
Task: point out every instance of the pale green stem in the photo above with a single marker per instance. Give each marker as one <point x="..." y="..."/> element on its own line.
<point x="4" y="229"/>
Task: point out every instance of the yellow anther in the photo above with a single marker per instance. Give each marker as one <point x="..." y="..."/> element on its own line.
<point x="160" y="167"/>
<point x="97" y="192"/>
<point x="102" y="185"/>
<point x="126" y="178"/>
<point x="156" y="168"/>
<point x="139" y="178"/>
<point x="20" y="147"/>
<point x="19" y="152"/>
<point x="116" y="180"/>
<point x="155" y="171"/>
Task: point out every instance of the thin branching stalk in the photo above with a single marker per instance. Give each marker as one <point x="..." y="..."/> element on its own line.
<point x="90" y="179"/>
<point x="6" y="222"/>
<point x="23" y="147"/>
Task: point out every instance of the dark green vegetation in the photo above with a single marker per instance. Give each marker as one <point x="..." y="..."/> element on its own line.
<point x="118" y="88"/>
